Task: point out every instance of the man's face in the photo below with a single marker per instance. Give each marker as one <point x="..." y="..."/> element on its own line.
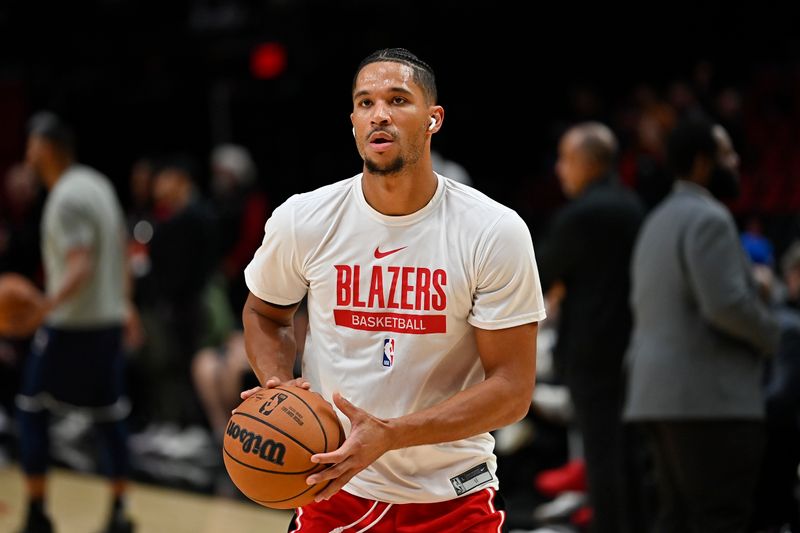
<point x="572" y="166"/>
<point x="36" y="152"/>
<point x="170" y="188"/>
<point x="724" y="180"/>
<point x="390" y="117"/>
<point x="726" y="155"/>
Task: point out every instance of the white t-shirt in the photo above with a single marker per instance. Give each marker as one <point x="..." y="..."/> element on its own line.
<point x="82" y="210"/>
<point x="392" y="301"/>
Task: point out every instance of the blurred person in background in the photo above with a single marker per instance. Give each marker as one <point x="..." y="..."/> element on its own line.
<point x="585" y="261"/>
<point x="242" y="208"/>
<point x="777" y="508"/>
<point x="183" y="254"/>
<point x="701" y="335"/>
<point x="20" y="213"/>
<point x="77" y="360"/>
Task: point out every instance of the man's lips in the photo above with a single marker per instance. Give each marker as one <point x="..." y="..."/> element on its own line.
<point x="380" y="146"/>
<point x="380" y="141"/>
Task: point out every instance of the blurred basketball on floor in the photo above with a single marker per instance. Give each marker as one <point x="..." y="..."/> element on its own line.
<point x="270" y="439"/>
<point x="19" y="298"/>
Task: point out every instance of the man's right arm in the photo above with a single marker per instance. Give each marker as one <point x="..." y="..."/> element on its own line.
<point x="727" y="298"/>
<point x="269" y="340"/>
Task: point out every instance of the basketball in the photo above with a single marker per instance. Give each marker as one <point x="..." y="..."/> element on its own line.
<point x="18" y="297"/>
<point x="269" y="441"/>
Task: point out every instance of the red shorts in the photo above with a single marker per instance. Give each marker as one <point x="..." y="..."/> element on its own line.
<point x="476" y="513"/>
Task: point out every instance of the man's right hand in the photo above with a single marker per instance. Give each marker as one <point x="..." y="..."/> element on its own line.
<point x="275" y="381"/>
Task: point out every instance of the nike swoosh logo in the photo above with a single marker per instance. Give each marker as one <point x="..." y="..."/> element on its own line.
<point x="380" y="255"/>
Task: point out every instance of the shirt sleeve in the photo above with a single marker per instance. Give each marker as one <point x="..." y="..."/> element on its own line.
<point x="74" y="225"/>
<point x="508" y="291"/>
<point x="275" y="274"/>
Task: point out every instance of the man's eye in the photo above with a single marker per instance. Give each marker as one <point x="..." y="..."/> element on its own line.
<point x="365" y="103"/>
<point x="398" y="100"/>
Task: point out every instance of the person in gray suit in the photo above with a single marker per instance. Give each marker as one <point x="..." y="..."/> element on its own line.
<point x="700" y="338"/>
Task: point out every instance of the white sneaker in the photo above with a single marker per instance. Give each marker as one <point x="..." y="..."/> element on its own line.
<point x="561" y="507"/>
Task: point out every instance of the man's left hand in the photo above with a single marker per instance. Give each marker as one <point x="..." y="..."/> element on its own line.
<point x="369" y="439"/>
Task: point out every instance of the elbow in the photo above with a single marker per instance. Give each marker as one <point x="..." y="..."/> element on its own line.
<point x="518" y="404"/>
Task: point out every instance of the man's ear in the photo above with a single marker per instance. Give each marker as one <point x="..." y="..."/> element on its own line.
<point x="701" y="168"/>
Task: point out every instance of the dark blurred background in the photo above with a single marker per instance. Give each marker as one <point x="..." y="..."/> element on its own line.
<point x="152" y="77"/>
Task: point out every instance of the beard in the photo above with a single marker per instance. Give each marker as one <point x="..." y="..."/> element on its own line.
<point x="724" y="183"/>
<point x="392" y="167"/>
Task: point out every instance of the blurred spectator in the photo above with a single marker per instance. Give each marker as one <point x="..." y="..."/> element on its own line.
<point x="176" y="314"/>
<point x="449" y="168"/>
<point x="777" y="495"/>
<point x="19" y="222"/>
<point x="587" y="254"/>
<point x="699" y="342"/>
<point x="242" y="209"/>
<point x="20" y="214"/>
<point x="642" y="162"/>
<point x="140" y="220"/>
<point x="77" y="360"/>
<point x="682" y="98"/>
<point x="220" y="375"/>
<point x="758" y="247"/>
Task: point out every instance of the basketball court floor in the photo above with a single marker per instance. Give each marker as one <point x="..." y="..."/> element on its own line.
<point x="78" y="503"/>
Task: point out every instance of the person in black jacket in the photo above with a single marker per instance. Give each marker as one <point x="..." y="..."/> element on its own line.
<point x="587" y="256"/>
<point x="183" y="254"/>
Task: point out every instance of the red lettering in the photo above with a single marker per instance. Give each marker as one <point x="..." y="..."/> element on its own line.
<point x="391" y="303"/>
<point x="344" y="279"/>
<point x="376" y="288"/>
<point x="423" y="289"/>
<point x="406" y="289"/>
<point x="439" y="300"/>
<point x="356" y="282"/>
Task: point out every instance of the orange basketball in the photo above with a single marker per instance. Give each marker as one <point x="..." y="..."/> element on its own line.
<point x="18" y="297"/>
<point x="270" y="439"/>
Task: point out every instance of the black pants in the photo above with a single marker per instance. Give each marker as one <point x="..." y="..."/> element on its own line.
<point x="598" y="418"/>
<point x="706" y="474"/>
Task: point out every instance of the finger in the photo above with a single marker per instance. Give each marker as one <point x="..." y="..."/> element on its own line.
<point x="273" y="382"/>
<point x="345" y="406"/>
<point x="336" y="456"/>
<point x="334" y="487"/>
<point x="249" y="392"/>
<point x="325" y="475"/>
<point x="302" y="383"/>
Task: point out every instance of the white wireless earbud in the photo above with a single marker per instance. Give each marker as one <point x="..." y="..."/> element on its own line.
<point x="433" y="123"/>
<point x="354" y="132"/>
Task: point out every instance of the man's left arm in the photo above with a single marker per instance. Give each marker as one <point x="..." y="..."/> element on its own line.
<point x="508" y="357"/>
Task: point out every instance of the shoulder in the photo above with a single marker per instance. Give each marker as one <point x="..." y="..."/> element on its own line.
<point x="311" y="212"/>
<point x="482" y="220"/>
<point x="475" y="207"/>
<point x="313" y="204"/>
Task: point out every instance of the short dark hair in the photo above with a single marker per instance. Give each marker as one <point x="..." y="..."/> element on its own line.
<point x="423" y="73"/>
<point x="182" y="162"/>
<point x="50" y="126"/>
<point x="692" y="136"/>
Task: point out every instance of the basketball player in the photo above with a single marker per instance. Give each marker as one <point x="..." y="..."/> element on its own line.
<point x="76" y="358"/>
<point x="423" y="304"/>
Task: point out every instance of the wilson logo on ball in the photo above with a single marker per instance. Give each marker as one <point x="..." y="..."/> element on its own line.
<point x="251" y="442"/>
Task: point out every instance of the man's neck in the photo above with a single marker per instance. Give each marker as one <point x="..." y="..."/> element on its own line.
<point x="53" y="172"/>
<point x="399" y="194"/>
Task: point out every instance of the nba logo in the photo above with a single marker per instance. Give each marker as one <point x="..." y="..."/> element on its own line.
<point x="388" y="352"/>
